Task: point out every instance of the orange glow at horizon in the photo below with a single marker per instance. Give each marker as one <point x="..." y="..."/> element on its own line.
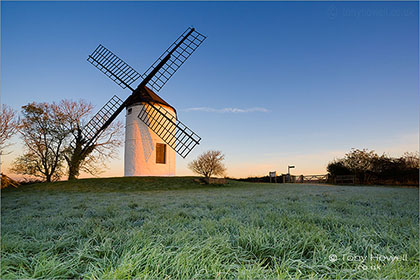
<point x="306" y="164"/>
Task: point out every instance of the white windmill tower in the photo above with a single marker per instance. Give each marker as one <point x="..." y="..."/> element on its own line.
<point x="146" y="154"/>
<point x="153" y="132"/>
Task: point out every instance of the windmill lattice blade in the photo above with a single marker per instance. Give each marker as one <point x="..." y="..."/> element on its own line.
<point x="179" y="55"/>
<point x="173" y="132"/>
<point x="93" y="128"/>
<point x="114" y="67"/>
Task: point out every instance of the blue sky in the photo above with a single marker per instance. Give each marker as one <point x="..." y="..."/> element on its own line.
<point x="325" y="76"/>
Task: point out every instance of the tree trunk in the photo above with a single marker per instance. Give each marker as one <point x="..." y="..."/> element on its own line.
<point x="76" y="159"/>
<point x="73" y="171"/>
<point x="74" y="166"/>
<point x="207" y="179"/>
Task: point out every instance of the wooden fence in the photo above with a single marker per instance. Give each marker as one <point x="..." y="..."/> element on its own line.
<point x="323" y="178"/>
<point x="344" y="179"/>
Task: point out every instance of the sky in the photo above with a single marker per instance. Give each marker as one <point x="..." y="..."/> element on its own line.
<point x="274" y="84"/>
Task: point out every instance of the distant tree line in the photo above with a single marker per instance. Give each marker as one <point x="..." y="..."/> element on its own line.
<point x="370" y="168"/>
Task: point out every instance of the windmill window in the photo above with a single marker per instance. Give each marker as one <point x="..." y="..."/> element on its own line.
<point x="160" y="153"/>
<point x="129" y="111"/>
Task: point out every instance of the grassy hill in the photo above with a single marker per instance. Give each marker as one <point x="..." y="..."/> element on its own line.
<point x="118" y="184"/>
<point x="178" y="228"/>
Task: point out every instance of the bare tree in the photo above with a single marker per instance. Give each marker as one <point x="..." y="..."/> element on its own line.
<point x="44" y="134"/>
<point x="90" y="159"/>
<point x="53" y="134"/>
<point x="8" y="124"/>
<point x="208" y="164"/>
<point x="360" y="161"/>
<point x="411" y="160"/>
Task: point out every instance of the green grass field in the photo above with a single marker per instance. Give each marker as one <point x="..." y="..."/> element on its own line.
<point x="178" y="228"/>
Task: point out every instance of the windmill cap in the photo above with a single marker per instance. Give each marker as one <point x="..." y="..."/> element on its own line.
<point x="150" y="96"/>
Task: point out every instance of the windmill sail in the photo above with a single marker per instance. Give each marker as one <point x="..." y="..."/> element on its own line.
<point x="96" y="125"/>
<point x="178" y="53"/>
<point x="172" y="131"/>
<point x="114" y="67"/>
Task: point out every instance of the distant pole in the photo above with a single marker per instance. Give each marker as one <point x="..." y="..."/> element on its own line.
<point x="289" y="179"/>
<point x="290" y="167"/>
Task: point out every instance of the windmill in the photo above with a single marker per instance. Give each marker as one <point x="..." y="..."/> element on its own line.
<point x="151" y="123"/>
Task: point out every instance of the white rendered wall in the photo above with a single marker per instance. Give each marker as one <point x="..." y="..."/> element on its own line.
<point x="140" y="147"/>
